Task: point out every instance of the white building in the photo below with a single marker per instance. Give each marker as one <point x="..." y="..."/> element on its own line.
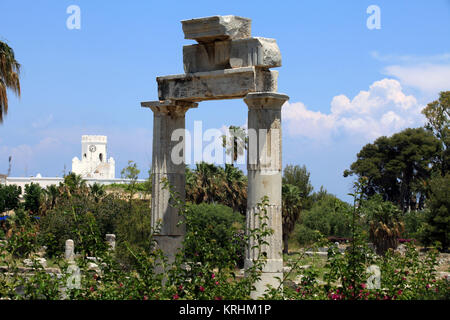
<point x="93" y="167"/>
<point x="94" y="163"/>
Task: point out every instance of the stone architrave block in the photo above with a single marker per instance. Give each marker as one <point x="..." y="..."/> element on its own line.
<point x="219" y="84"/>
<point x="215" y="28"/>
<point x="257" y="52"/>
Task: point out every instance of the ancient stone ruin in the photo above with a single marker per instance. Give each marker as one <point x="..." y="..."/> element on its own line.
<point x="226" y="63"/>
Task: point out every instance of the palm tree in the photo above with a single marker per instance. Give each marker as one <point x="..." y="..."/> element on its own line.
<point x="97" y="191"/>
<point x="385" y="226"/>
<point x="52" y="194"/>
<point x="9" y="77"/>
<point x="237" y="143"/>
<point x="291" y="208"/>
<point x="235" y="189"/>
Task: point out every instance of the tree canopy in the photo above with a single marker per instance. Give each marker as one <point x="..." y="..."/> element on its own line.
<point x="398" y="167"/>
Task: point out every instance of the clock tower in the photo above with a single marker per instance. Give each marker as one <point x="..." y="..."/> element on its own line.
<point x="94" y="162"/>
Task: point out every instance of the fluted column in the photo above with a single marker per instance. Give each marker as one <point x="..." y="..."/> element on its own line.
<point x="264" y="179"/>
<point x="168" y="117"/>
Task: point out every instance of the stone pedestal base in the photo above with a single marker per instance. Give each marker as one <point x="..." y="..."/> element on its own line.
<point x="170" y="245"/>
<point x="267" y="278"/>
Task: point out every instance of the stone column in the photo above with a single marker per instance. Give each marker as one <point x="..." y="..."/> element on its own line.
<point x="168" y="116"/>
<point x="264" y="179"/>
<point x="70" y="250"/>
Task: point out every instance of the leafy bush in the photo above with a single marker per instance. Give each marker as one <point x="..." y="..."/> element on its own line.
<point x="437" y="219"/>
<point x="217" y="226"/>
<point x="33" y="197"/>
<point x="329" y="216"/>
<point x="306" y="236"/>
<point x="133" y="232"/>
<point x="23" y="234"/>
<point x="9" y="197"/>
<point x="414" y="221"/>
<point x="80" y="219"/>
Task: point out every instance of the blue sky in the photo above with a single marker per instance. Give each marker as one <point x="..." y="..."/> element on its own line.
<point x="347" y="84"/>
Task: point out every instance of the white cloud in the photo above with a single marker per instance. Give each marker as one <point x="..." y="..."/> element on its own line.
<point x="42" y="122"/>
<point x="382" y="110"/>
<point x="430" y="78"/>
<point x="395" y="58"/>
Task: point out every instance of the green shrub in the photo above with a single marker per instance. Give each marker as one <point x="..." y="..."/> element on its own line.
<point x="306" y="236"/>
<point x="80" y="219"/>
<point x="133" y="232"/>
<point x="213" y="225"/>
<point x="330" y="216"/>
<point x="33" y="197"/>
<point x="23" y="239"/>
<point x="437" y="219"/>
<point x="414" y="223"/>
<point x="9" y="197"/>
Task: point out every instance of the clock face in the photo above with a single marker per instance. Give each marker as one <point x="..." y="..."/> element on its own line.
<point x="92" y="148"/>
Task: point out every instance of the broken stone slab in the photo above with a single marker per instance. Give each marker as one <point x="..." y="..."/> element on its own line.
<point x="219" y="84"/>
<point x="258" y="52"/>
<point x="167" y="107"/>
<point x="215" y="28"/>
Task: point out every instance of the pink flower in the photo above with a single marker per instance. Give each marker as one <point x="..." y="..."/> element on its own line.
<point x="145" y="298"/>
<point x="428" y="286"/>
<point x="213" y="276"/>
<point x="217" y="283"/>
<point x="298" y="289"/>
<point x="202" y="289"/>
<point x="91" y="289"/>
<point x="175" y="296"/>
<point x="399" y="292"/>
<point x="403" y="278"/>
<point x="363" y="285"/>
<point x="180" y="287"/>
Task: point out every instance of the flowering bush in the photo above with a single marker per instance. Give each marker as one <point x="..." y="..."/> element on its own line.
<point x="345" y="275"/>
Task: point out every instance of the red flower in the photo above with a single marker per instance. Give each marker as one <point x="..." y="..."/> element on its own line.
<point x="298" y="289"/>
<point x="145" y="298"/>
<point x="403" y="278"/>
<point x="91" y="289"/>
<point x="202" y="289"/>
<point x="175" y="296"/>
<point x="428" y="286"/>
<point x="180" y="287"/>
<point x="217" y="298"/>
<point x="399" y="292"/>
<point x="121" y="285"/>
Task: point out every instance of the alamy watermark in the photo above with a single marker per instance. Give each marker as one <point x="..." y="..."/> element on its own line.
<point x="374" y="20"/>
<point x="258" y="147"/>
<point x="74" y="19"/>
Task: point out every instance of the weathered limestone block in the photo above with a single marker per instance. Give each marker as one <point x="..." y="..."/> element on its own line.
<point x="111" y="241"/>
<point x="219" y="84"/>
<point x="69" y="254"/>
<point x="258" y="52"/>
<point x="217" y="28"/>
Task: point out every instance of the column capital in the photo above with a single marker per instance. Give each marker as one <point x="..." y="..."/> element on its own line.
<point x="170" y="108"/>
<point x="265" y="100"/>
